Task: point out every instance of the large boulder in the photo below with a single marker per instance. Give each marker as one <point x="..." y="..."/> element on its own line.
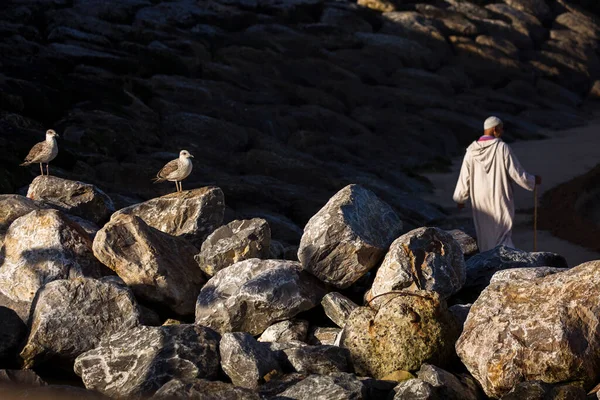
<point x="73" y="197"/>
<point x="192" y="214"/>
<point x="237" y="241"/>
<point x="40" y="247"/>
<point x="526" y="328"/>
<point x="348" y="236"/>
<point x="159" y="268"/>
<point x="13" y="206"/>
<point x="245" y="360"/>
<point x="139" y="361"/>
<point x="338" y="307"/>
<point x="422" y="259"/>
<point x="338" y="386"/>
<point x="72" y="316"/>
<point x="251" y="295"/>
<point x="202" y="389"/>
<point x="406" y="331"/>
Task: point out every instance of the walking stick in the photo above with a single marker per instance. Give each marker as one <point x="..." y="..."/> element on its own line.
<point x="535" y="212"/>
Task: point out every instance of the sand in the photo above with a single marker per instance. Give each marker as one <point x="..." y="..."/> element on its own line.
<point x="560" y="158"/>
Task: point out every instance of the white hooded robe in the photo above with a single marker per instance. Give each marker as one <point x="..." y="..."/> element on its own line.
<point x="485" y="177"/>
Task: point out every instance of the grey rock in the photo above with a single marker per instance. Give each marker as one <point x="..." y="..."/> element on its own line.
<point x="537" y="8"/>
<point x="201" y="389"/>
<point x="416" y="389"/>
<point x="468" y="245"/>
<point x="338" y="307"/>
<point x="73" y="197"/>
<point x="339" y="386"/>
<point x="159" y="268"/>
<point x="321" y="360"/>
<point x="348" y="236"/>
<point x="509" y="275"/>
<point x="285" y="331"/>
<point x="13" y="206"/>
<point x="449" y="386"/>
<point x="251" y="295"/>
<point x="534" y="390"/>
<point x="245" y="360"/>
<point x="139" y="361"/>
<point x="236" y="241"/>
<point x="192" y="214"/>
<point x="323" y="336"/>
<point x="422" y="259"/>
<point x="72" y="316"/>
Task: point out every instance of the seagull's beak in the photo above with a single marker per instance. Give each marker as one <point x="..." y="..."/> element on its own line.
<point x="191" y="156"/>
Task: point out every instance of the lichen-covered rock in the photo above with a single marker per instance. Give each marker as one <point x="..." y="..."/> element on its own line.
<point x="139" y="361"/>
<point x="201" y="389"/>
<point x="348" y="236"/>
<point x="338" y="307"/>
<point x="13" y="206"/>
<point x="482" y="266"/>
<point x="237" y="241"/>
<point x="338" y="386"/>
<point x="40" y="247"/>
<point x="408" y="330"/>
<point x="245" y="360"/>
<point x="72" y="316"/>
<point x="13" y="332"/>
<point x="251" y="295"/>
<point x="159" y="268"/>
<point x="285" y="331"/>
<point x="423" y="259"/>
<point x="192" y="214"/>
<point x="467" y="244"/>
<point x="73" y="197"/>
<point x="534" y="329"/>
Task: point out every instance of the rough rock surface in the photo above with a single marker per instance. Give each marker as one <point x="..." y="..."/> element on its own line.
<point x="201" y="389"/>
<point x="423" y="259"/>
<point x="535" y="329"/>
<point x="72" y="316"/>
<point x="285" y="331"/>
<point x="339" y="386"/>
<point x="448" y="385"/>
<point x="407" y="331"/>
<point x="348" y="236"/>
<point x="140" y="361"/>
<point x="13" y="206"/>
<point x="73" y="197"/>
<point x="338" y="307"/>
<point x="541" y="390"/>
<point x="323" y="335"/>
<point x="234" y="242"/>
<point x="158" y="267"/>
<point x="321" y="360"/>
<point x="41" y="247"/>
<point x="245" y="360"/>
<point x="467" y="244"/>
<point x="192" y="214"/>
<point x="416" y="389"/>
<point x="251" y="295"/>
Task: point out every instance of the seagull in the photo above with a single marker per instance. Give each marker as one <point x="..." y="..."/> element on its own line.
<point x="176" y="170"/>
<point x="43" y="152"/>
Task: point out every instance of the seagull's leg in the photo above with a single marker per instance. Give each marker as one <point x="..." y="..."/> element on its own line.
<point x="47" y="169"/>
<point x="176" y="186"/>
<point x="181" y="186"/>
<point x="41" y="169"/>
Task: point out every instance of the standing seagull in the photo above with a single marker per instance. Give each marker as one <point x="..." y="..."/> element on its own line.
<point x="43" y="152"/>
<point x="176" y="170"/>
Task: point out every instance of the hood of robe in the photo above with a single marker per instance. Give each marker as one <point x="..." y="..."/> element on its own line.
<point x="484" y="152"/>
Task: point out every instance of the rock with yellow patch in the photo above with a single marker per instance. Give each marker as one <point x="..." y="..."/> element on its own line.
<point x="524" y="327"/>
<point x="406" y="331"/>
<point x="40" y="247"/>
<point x="422" y="259"/>
<point x="237" y="241"/>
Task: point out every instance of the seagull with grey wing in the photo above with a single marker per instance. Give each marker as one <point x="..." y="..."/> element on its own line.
<point x="43" y="152"/>
<point x="176" y="170"/>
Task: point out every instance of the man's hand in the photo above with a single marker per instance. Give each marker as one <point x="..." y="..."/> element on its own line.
<point x="538" y="180"/>
<point x="460" y="206"/>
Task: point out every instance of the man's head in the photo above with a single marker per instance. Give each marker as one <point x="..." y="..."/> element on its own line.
<point x="493" y="126"/>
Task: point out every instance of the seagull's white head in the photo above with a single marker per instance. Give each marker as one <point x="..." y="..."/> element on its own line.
<point x="51" y="133"/>
<point x="185" y="154"/>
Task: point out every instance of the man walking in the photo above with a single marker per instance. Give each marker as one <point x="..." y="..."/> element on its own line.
<point x="485" y="176"/>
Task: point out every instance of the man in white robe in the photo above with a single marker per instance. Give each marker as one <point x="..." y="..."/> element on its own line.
<point x="487" y="170"/>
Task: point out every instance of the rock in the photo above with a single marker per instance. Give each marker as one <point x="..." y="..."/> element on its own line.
<point x="508" y="275"/>
<point x="470" y="10"/>
<point x="468" y="245"/>
<point x="192" y="214"/>
<point x="12" y="334"/>
<point x="321" y="360"/>
<point x="407" y="331"/>
<point x="460" y="312"/>
<point x="448" y="385"/>
<point x="72" y="316"/>
<point x="398" y="376"/>
<point x="378" y="5"/>
<point x="558" y="93"/>
<point x="482" y="266"/>
<point x="251" y="295"/>
<point x="533" y="390"/>
<point x="339" y="386"/>
<point x="139" y="361"/>
<point x="73" y="197"/>
<point x="408" y="52"/>
<point x="323" y="336"/>
<point x="422" y="259"/>
<point x="236" y="241"/>
<point x="412" y="77"/>
<point x="338" y="307"/>
<point x="505" y="46"/>
<point x="523" y="22"/>
<point x="201" y="389"/>
<point x="13" y="206"/>
<point x="246" y="361"/>
<point x="579" y="24"/>
<point x="449" y="22"/>
<point x="158" y="267"/>
<point x="348" y="236"/>
<point x="416" y="389"/>
<point x="594" y="93"/>
<point x="537" y="8"/>
<point x="532" y="335"/>
<point x="285" y="331"/>
<point x="41" y="247"/>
